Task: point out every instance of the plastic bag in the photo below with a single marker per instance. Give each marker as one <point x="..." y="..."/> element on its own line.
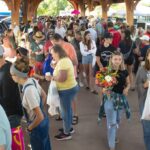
<point x="146" y="111"/>
<point x="53" y="99"/>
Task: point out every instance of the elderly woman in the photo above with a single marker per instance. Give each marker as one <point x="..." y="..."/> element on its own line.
<point x="67" y="88"/>
<point x="33" y="99"/>
<point x="142" y="85"/>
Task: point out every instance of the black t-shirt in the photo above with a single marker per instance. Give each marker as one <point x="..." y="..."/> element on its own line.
<point x="9" y="92"/>
<point x="127" y="48"/>
<point x="119" y="87"/>
<point x="104" y="54"/>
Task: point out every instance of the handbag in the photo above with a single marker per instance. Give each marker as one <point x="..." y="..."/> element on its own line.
<point x="146" y="111"/>
<point x="53" y="99"/>
<point x="126" y="55"/>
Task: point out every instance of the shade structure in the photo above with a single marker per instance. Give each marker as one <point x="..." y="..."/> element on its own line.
<point x="75" y="12"/>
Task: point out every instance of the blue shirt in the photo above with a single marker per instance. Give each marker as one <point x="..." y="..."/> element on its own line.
<point x="144" y="50"/>
<point x="5" y="131"/>
<point x="47" y="65"/>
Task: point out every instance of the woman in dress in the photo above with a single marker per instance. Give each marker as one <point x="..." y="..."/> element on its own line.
<point x="127" y="47"/>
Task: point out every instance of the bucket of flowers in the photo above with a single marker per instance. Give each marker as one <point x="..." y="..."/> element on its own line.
<point x="106" y="78"/>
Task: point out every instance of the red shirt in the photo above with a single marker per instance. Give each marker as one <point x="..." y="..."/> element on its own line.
<point x="148" y="34"/>
<point x="48" y="44"/>
<point x="116" y="37"/>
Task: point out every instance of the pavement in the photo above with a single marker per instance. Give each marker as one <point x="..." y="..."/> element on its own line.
<point x="89" y="135"/>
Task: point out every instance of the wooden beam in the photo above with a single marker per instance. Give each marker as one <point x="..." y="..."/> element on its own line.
<point x="130" y="7"/>
<point x="32" y="8"/>
<point x="105" y="7"/>
<point x="25" y="9"/>
<point x="82" y="7"/>
<point x="74" y="4"/>
<point x="90" y="5"/>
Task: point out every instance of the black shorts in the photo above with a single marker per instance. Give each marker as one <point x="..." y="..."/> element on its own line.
<point x="130" y="60"/>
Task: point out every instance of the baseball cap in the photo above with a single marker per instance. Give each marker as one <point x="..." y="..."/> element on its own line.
<point x="22" y="51"/>
<point x="145" y="38"/>
<point x="108" y="35"/>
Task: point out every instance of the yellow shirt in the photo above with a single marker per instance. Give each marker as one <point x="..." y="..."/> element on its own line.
<point x="65" y="64"/>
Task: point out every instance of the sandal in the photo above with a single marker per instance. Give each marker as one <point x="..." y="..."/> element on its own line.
<point x="75" y="120"/>
<point x="87" y="88"/>
<point x="94" y="92"/>
<point x="58" y="118"/>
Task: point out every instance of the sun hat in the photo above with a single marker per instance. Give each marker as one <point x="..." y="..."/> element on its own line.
<point x="39" y="36"/>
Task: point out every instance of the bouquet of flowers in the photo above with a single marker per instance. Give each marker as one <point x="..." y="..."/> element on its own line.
<point x="106" y="78"/>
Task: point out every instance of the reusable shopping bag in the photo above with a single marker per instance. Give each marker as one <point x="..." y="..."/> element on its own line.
<point x="17" y="139"/>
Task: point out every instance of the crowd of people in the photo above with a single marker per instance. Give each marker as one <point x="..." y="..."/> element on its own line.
<point x="69" y="51"/>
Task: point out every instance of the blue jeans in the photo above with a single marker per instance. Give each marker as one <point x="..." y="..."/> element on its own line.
<point x="113" y="119"/>
<point x="39" y="136"/>
<point x="87" y="59"/>
<point x="66" y="97"/>
<point x="146" y="128"/>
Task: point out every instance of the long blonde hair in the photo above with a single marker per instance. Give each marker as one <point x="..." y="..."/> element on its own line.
<point x="116" y="53"/>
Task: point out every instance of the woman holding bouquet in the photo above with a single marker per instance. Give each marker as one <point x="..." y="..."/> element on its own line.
<point x="115" y="96"/>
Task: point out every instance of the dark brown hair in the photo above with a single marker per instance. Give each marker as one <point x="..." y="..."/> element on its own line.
<point x="22" y="65"/>
<point x="60" y="51"/>
<point x="147" y="62"/>
<point x="87" y="43"/>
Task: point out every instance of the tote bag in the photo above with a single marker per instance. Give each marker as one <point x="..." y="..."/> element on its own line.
<point x="17" y="139"/>
<point x="146" y="111"/>
<point x="53" y="99"/>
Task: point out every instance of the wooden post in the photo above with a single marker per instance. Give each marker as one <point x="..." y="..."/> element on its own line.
<point x="24" y="9"/>
<point x="32" y="8"/>
<point x="82" y="7"/>
<point x="90" y="5"/>
<point x="105" y="7"/>
<point x="130" y="6"/>
<point x="14" y="6"/>
<point x="15" y="12"/>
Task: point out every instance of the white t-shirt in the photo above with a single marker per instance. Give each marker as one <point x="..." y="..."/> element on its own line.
<point x="61" y="31"/>
<point x="31" y="97"/>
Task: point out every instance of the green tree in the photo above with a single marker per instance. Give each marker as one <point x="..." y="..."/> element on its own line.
<point x="52" y="7"/>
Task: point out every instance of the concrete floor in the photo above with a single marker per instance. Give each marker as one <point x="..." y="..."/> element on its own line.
<point x="91" y="136"/>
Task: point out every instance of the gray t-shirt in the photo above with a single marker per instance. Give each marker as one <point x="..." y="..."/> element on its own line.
<point x="31" y="97"/>
<point x="5" y="131"/>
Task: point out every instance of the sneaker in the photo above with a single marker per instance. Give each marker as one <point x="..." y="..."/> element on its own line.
<point x="62" y="136"/>
<point x="116" y="140"/>
<point x="84" y="74"/>
<point x="71" y="130"/>
<point x="81" y="84"/>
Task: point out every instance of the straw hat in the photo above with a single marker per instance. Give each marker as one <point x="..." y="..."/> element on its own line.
<point x="39" y="36"/>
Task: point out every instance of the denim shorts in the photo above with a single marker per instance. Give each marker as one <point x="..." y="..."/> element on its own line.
<point x="87" y="59"/>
